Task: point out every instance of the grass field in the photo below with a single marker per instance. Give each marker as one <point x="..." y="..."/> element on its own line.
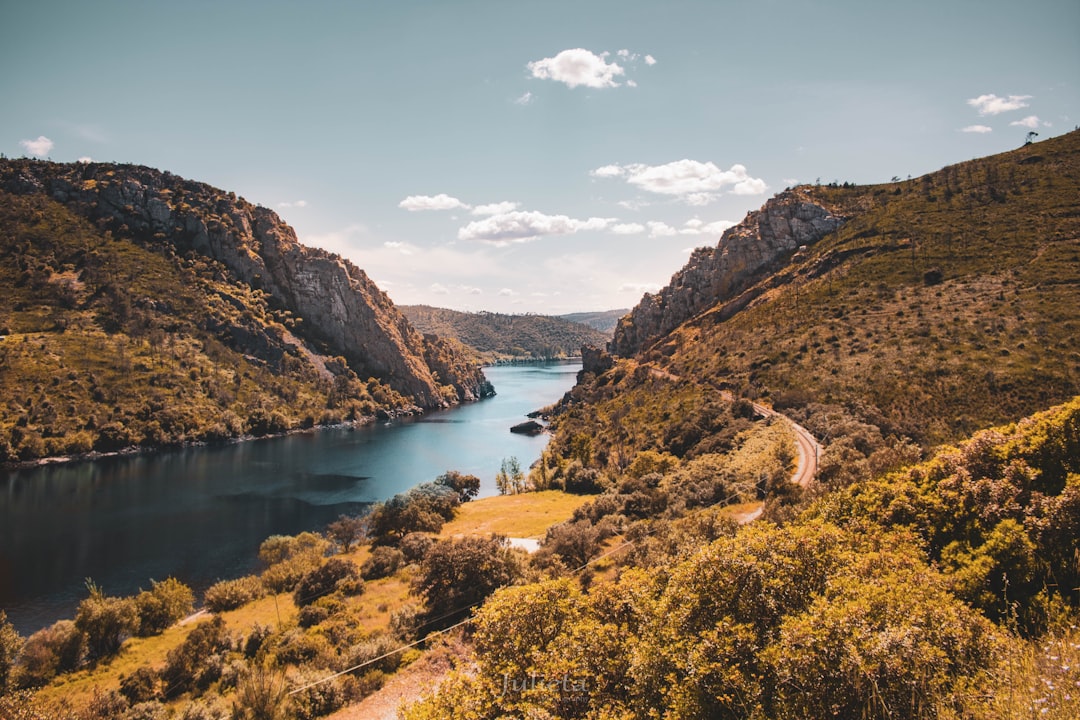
<point x="527" y="515"/>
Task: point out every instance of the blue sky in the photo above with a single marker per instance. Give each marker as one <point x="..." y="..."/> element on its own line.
<point x="531" y="156"/>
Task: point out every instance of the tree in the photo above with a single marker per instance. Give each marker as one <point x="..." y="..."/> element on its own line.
<point x="57" y="649"/>
<point x="105" y="621"/>
<point x="162" y="605"/>
<point x="422" y="509"/>
<point x="510" y="480"/>
<point x="466" y="486"/>
<point x="329" y="577"/>
<point x="10" y="645"/>
<point x="457" y="574"/>
<point x="198" y="661"/>
<point x="346" y="531"/>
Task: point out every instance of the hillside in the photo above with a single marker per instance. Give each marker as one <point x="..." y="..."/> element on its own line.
<point x="913" y="311"/>
<point x="139" y="308"/>
<point x="495" y="336"/>
<point x="604" y="321"/>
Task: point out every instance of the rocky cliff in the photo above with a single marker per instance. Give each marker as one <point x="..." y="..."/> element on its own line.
<point x="342" y="311"/>
<point x="745" y="253"/>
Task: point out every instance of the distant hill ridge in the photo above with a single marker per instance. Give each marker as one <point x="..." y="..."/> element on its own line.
<point x="78" y="240"/>
<point x="495" y="336"/>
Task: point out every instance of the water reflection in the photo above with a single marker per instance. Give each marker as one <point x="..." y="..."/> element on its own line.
<point x="199" y="514"/>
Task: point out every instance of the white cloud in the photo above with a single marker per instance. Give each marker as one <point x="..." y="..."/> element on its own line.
<point x="438" y="289"/>
<point x="994" y="105"/>
<point x="650" y="60"/>
<point x="524" y="99"/>
<point x="694" y="226"/>
<point x="624" y="53"/>
<point x="1031" y="122"/>
<point x="38" y="148"/>
<point x="495" y="208"/>
<point x="506" y="292"/>
<point x="344" y="242"/>
<point x="631" y="83"/>
<point x="640" y="288"/>
<point x="790" y="182"/>
<point x="661" y="229"/>
<point x="608" y="171"/>
<point x="577" y="67"/>
<point x="401" y="247"/>
<point x="293" y="203"/>
<point x="977" y="129"/>
<point x="85" y="159"/>
<point x="628" y="229"/>
<point x="522" y="226"/>
<point x="442" y="201"/>
<point x="696" y="182"/>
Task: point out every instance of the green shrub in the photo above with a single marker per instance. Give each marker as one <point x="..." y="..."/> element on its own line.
<point x="231" y="594"/>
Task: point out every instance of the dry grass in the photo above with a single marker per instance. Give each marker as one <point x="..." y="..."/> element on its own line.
<point x="527" y="515"/>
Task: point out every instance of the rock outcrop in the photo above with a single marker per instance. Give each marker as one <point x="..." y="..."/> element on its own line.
<point x="342" y="310"/>
<point x="759" y="245"/>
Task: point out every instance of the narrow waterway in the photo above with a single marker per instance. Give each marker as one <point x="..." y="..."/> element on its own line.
<point x="199" y="514"/>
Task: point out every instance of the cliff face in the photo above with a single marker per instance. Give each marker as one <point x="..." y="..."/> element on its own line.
<point x="341" y="309"/>
<point x="747" y="252"/>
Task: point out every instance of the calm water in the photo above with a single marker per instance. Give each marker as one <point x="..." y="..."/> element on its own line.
<point x="200" y="514"/>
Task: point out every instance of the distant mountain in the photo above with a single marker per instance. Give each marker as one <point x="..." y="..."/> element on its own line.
<point x="495" y="336"/>
<point x="604" y="321"/>
<point x="139" y="308"/>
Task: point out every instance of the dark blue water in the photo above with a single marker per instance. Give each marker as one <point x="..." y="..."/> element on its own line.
<point x="200" y="514"/>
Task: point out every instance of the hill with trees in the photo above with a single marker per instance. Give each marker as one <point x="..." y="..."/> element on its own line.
<point x="604" y="321"/>
<point x="495" y="336"/>
<point x="922" y="331"/>
<point x="141" y="309"/>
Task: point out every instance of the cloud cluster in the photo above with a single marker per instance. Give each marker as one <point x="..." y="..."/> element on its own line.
<point x="442" y="201"/>
<point x="522" y="226"/>
<point x="693" y="226"/>
<point x="580" y="67"/>
<point x="577" y="67"/>
<point x="40" y="147"/>
<point x="977" y="129"/>
<point x="293" y="203"/>
<point x="696" y="183"/>
<point x="993" y="105"/>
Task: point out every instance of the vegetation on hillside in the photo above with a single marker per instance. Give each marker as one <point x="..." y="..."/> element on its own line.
<point x="912" y="580"/>
<point x="107" y="344"/>
<point x="604" y="321"/>
<point x="944" y="305"/>
<point x="946" y="590"/>
<point x="495" y="336"/>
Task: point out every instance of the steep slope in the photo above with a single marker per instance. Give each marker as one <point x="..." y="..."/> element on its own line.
<point x="746" y="253"/>
<point x="939" y="306"/>
<point x="496" y="336"/>
<point x="339" y="305"/>
<point x="151" y="262"/>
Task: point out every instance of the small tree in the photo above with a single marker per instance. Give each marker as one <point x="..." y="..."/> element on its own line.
<point x="162" y="605"/>
<point x="346" y="531"/>
<point x="510" y="480"/>
<point x="335" y="574"/>
<point x="261" y="694"/>
<point x="105" y="621"/>
<point x="457" y="574"/>
<point x="466" y="486"/>
<point x="11" y="644"/>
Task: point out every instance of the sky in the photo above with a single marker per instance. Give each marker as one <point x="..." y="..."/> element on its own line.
<point x="545" y="157"/>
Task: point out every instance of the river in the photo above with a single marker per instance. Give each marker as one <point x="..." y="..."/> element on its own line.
<point x="199" y="514"/>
